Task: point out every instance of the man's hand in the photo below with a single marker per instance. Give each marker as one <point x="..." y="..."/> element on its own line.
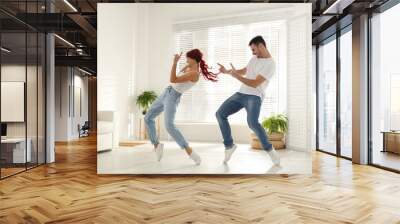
<point x="177" y="57"/>
<point x="222" y="69"/>
<point x="234" y="72"/>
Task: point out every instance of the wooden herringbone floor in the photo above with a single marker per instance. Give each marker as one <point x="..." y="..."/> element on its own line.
<point x="70" y="191"/>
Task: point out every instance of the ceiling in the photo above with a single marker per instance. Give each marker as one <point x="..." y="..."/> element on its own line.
<point x="76" y="21"/>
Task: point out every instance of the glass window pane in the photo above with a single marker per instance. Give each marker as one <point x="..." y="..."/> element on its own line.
<point x="41" y="98"/>
<point x="386" y="89"/>
<point x="13" y="87"/>
<point x="346" y="94"/>
<point x="22" y="88"/>
<point x="32" y="95"/>
<point x="327" y="97"/>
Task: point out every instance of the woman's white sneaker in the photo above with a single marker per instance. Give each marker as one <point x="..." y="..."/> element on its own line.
<point x="159" y="151"/>
<point x="195" y="157"/>
<point x="229" y="152"/>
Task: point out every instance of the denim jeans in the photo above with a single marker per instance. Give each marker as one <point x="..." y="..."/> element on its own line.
<point x="167" y="102"/>
<point x="233" y="104"/>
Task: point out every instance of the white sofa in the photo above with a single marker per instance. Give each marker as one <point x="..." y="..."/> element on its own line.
<point x="107" y="130"/>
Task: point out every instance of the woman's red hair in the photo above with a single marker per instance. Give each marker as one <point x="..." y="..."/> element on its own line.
<point x="196" y="55"/>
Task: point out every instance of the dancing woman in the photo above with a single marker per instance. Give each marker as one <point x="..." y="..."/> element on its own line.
<point x="168" y="101"/>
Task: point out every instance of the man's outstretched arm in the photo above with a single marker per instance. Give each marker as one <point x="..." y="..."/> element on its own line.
<point x="241" y="72"/>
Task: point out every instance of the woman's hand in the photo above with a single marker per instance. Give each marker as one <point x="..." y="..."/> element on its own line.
<point x="177" y="57"/>
<point x="184" y="68"/>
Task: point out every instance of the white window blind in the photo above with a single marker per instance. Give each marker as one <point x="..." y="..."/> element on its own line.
<point x="229" y="44"/>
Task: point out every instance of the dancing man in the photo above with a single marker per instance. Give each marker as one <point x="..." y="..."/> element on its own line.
<point x="255" y="78"/>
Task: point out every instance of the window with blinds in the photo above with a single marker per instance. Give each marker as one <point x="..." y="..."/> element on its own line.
<point x="229" y="44"/>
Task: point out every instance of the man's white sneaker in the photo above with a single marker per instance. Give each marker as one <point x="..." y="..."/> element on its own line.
<point x="195" y="157"/>
<point x="229" y="152"/>
<point x="159" y="151"/>
<point x="274" y="156"/>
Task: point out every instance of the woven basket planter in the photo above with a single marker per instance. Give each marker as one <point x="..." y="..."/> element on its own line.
<point x="276" y="139"/>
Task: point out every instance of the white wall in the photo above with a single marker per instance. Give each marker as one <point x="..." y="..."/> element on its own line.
<point x="62" y="80"/>
<point x="145" y="61"/>
<point x="116" y="62"/>
<point x="299" y="84"/>
<point x="80" y="83"/>
<point x="153" y="47"/>
<point x="66" y="121"/>
<point x="15" y="72"/>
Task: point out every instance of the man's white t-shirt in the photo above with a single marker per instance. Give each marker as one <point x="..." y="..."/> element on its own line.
<point x="258" y="66"/>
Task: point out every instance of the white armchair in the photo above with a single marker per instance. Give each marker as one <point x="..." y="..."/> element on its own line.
<point x="107" y="130"/>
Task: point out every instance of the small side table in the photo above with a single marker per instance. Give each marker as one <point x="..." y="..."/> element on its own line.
<point x="391" y="141"/>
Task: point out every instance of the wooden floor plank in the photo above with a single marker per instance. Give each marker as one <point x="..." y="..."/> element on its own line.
<point x="70" y="191"/>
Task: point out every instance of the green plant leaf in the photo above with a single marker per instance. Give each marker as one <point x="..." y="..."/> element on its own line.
<point x="276" y="123"/>
<point x="145" y="99"/>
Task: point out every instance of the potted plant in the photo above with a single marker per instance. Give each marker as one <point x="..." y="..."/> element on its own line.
<point x="145" y="99"/>
<point x="276" y="127"/>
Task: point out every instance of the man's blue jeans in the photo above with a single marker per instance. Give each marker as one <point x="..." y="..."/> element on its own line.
<point x="233" y="104"/>
<point x="167" y="102"/>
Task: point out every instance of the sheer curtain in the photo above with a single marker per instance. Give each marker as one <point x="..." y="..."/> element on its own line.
<point x="229" y="44"/>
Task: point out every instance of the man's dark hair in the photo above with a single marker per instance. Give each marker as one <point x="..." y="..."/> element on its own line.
<point x="257" y="40"/>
